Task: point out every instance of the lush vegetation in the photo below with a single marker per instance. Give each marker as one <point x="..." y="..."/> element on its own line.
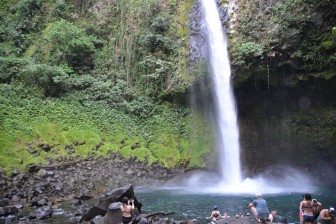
<point x="291" y="37"/>
<point x="76" y="130"/>
<point x="88" y="78"/>
<point x="91" y="77"/>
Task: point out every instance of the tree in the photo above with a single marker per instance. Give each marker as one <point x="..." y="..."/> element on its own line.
<point x="62" y="42"/>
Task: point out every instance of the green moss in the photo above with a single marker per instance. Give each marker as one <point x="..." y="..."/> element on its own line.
<point x="316" y="127"/>
<point x="43" y="82"/>
<point x="71" y="129"/>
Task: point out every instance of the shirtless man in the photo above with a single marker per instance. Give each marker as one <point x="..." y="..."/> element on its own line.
<point x="317" y="208"/>
<point x="126" y="209"/>
<point x="327" y="216"/>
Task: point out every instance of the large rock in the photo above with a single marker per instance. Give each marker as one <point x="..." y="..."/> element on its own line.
<point x="113" y="215"/>
<point x="113" y="212"/>
<point x="6" y="211"/>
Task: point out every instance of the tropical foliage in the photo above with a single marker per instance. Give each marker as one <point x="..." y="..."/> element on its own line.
<point x="292" y="36"/>
<point x="101" y="72"/>
<point x="115" y="74"/>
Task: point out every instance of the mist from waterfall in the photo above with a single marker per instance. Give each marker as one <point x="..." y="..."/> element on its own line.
<point x="275" y="179"/>
<point x="228" y="132"/>
<point x="279" y="178"/>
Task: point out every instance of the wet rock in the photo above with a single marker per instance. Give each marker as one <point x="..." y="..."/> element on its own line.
<point x="76" y="202"/>
<point x="2" y="212"/>
<point x="15" y="198"/>
<point x="18" y="206"/>
<point x="136" y="145"/>
<point x="84" y="196"/>
<point x="143" y="221"/>
<point x="10" y="210"/>
<point x="41" y="214"/>
<point x="33" y="168"/>
<point x="98" y="220"/>
<point x="102" y="207"/>
<point x="15" y="172"/>
<point x="4" y="202"/>
<point x="45" y="147"/>
<point x="42" y="202"/>
<point x="31" y="150"/>
<point x="85" y="179"/>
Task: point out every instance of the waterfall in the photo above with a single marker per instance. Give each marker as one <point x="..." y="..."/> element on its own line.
<point x="274" y="179"/>
<point x="228" y="131"/>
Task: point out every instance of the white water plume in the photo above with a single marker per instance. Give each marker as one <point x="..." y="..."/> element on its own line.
<point x="278" y="179"/>
<point x="228" y="136"/>
<point x="230" y="179"/>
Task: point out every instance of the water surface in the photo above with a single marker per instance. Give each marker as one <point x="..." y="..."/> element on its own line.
<point x="191" y="205"/>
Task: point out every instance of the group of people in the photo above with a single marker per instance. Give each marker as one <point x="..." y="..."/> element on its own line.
<point x="311" y="212"/>
<point x="258" y="208"/>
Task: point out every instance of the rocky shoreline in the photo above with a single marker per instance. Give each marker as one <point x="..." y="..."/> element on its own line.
<point x="76" y="180"/>
<point x="106" y="210"/>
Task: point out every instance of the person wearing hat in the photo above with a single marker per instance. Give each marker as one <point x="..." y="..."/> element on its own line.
<point x="317" y="208"/>
<point x="327" y="216"/>
<point x="259" y="208"/>
<point x="215" y="215"/>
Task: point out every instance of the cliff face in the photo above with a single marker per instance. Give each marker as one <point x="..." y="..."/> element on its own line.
<point x="288" y="126"/>
<point x="285" y="100"/>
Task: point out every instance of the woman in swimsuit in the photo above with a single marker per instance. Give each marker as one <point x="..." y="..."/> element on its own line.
<point x="306" y="206"/>
<point x="126" y="209"/>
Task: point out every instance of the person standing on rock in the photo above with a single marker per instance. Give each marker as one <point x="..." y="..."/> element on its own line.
<point x="259" y="208"/>
<point x="127" y="209"/>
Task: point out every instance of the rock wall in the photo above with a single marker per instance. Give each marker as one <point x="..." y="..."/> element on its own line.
<point x="288" y="126"/>
<point x="77" y="179"/>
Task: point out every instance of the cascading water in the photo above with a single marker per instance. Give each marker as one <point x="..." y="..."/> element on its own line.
<point x="275" y="179"/>
<point x="228" y="141"/>
<point x="231" y="180"/>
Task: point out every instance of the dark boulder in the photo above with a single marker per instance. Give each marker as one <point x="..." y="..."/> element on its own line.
<point x="102" y="207"/>
<point x="41" y="214"/>
<point x="113" y="215"/>
<point x="10" y="210"/>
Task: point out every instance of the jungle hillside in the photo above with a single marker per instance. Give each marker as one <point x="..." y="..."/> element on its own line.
<point x="86" y="78"/>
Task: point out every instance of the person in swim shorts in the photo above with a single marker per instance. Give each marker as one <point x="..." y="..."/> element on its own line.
<point x="126" y="209"/>
<point x="259" y="208"/>
<point x="306" y="206"/>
